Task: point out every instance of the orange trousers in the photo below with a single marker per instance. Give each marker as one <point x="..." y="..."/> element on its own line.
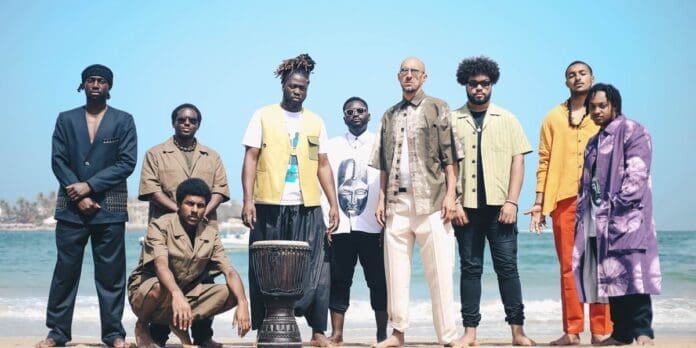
<point x="573" y="310"/>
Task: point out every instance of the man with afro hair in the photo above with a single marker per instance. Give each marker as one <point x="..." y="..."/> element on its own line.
<point x="491" y="178"/>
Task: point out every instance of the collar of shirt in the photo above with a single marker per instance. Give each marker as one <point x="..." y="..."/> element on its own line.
<point x="202" y="230"/>
<point x="415" y="101"/>
<point x="170" y="147"/>
<point x="493" y="110"/>
<point x="614" y="125"/>
<point x="356" y="142"/>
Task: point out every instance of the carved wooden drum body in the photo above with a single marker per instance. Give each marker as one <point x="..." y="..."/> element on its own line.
<point x="282" y="268"/>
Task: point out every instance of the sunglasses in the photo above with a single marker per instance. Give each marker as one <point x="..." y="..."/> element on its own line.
<point x="356" y="111"/>
<point x="483" y="83"/>
<point x="191" y="120"/>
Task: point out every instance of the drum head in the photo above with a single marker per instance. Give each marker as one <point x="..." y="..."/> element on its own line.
<point x="296" y="243"/>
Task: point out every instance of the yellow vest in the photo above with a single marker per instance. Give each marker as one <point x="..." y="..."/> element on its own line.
<point x="274" y="156"/>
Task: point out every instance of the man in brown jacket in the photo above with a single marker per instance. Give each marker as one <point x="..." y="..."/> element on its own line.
<point x="180" y="249"/>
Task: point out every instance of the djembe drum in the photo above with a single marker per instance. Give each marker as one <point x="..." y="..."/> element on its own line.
<point x="281" y="269"/>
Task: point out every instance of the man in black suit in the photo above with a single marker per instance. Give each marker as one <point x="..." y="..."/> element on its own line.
<point x="94" y="151"/>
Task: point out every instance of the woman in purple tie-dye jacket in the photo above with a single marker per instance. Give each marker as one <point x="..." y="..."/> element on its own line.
<point x="615" y="256"/>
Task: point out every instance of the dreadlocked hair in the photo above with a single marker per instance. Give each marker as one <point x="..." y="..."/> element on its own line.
<point x="303" y="64"/>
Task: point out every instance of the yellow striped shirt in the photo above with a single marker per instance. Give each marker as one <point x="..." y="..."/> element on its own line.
<point x="502" y="137"/>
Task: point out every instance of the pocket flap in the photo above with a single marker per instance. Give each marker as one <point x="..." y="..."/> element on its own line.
<point x="313" y="140"/>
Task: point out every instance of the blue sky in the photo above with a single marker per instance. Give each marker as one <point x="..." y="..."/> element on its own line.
<point x="220" y="55"/>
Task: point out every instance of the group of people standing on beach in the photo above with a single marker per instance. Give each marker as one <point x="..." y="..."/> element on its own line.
<point x="428" y="176"/>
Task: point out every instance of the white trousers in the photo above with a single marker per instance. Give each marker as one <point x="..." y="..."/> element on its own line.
<point x="436" y="241"/>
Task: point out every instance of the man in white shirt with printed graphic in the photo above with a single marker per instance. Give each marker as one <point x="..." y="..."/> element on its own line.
<point x="358" y="236"/>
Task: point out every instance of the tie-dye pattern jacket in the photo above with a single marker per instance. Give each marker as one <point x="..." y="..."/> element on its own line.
<point x="627" y="255"/>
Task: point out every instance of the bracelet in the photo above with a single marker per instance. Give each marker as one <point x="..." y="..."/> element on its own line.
<point x="511" y="202"/>
<point x="537" y="203"/>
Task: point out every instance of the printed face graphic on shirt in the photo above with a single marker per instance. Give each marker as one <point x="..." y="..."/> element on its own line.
<point x="352" y="188"/>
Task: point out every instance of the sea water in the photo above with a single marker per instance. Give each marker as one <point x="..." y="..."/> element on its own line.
<point x="27" y="259"/>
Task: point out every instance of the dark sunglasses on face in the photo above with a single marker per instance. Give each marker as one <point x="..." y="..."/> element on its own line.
<point x="191" y="120"/>
<point x="483" y="83"/>
<point x="356" y="111"/>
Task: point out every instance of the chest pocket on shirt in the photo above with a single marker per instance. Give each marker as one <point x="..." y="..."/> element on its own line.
<point x="313" y="148"/>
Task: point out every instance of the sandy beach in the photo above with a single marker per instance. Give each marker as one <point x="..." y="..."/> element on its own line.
<point x="666" y="341"/>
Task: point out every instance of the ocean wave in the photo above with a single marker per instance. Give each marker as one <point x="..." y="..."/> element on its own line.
<point x="667" y="311"/>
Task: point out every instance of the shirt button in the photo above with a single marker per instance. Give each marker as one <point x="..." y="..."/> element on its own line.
<point x="87" y="163"/>
<point x="473" y="175"/>
<point x="473" y="190"/>
<point x="579" y="166"/>
<point x="473" y="161"/>
<point x="473" y="146"/>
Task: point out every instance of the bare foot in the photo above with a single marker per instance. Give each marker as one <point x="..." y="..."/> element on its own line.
<point x="610" y="341"/>
<point x="567" y="340"/>
<point x="46" y="343"/>
<point x="597" y="339"/>
<point x="644" y="340"/>
<point x="142" y="336"/>
<point x="519" y="338"/>
<point x="182" y="335"/>
<point x="392" y="341"/>
<point x="458" y="343"/>
<point x="319" y="340"/>
<point x="119" y="343"/>
<point x="336" y="339"/>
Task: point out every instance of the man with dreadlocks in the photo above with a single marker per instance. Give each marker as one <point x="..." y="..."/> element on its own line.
<point x="491" y="177"/>
<point x="284" y="164"/>
<point x="94" y="152"/>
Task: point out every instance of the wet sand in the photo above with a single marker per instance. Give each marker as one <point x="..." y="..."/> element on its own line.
<point x="25" y="342"/>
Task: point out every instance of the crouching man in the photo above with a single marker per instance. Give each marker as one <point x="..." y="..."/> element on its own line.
<point x="178" y="251"/>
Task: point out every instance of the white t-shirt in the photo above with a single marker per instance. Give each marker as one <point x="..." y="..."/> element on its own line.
<point x="292" y="195"/>
<point x="357" y="184"/>
<point x="404" y="173"/>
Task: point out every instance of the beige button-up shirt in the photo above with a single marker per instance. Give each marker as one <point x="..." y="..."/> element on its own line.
<point x="165" y="167"/>
<point x="167" y="237"/>
<point x="432" y="144"/>
<point x="502" y="137"/>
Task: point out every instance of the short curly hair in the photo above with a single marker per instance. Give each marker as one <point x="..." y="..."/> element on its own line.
<point x="477" y="65"/>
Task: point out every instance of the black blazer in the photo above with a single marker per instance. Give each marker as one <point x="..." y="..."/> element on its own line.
<point x="104" y="165"/>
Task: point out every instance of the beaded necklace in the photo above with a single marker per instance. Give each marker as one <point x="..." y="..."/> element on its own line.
<point x="186" y="148"/>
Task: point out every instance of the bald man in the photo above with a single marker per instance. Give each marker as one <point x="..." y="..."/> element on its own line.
<point x="417" y="155"/>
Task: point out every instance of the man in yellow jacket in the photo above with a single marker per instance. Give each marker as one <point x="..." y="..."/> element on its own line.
<point x="285" y="162"/>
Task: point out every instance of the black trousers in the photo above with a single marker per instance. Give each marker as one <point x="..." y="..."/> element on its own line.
<point x="471" y="238"/>
<point x="346" y="250"/>
<point x="109" y="255"/>
<point x="201" y="330"/>
<point x="299" y="223"/>
<point x="632" y="317"/>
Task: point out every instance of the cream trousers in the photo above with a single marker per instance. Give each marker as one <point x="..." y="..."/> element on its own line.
<point x="436" y="242"/>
